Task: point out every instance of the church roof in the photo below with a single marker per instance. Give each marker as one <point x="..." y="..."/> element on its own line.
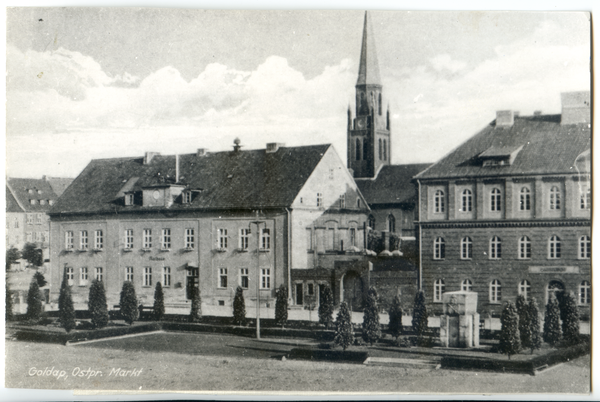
<point x="393" y="184"/>
<point x="368" y="71"/>
<point x="220" y="180"/>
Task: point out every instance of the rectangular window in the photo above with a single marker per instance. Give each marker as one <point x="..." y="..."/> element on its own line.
<point x="70" y="276"/>
<point x="99" y="272"/>
<point x="30" y="219"/>
<point x="98" y="240"/>
<point x="29" y="237"/>
<point x="129" y="238"/>
<point x="166" y="239"/>
<point x="222" y="277"/>
<point x="265" y="278"/>
<point x="311" y="289"/>
<point x="244" y="278"/>
<point x="38" y="219"/>
<point x="309" y="239"/>
<point x="69" y="240"/>
<point x="166" y="276"/>
<point x="222" y="238"/>
<point x="330" y="239"/>
<point x="331" y="174"/>
<point x="147" y="238"/>
<point x="129" y="274"/>
<point x="343" y="201"/>
<point x="83" y="240"/>
<point x="319" y="199"/>
<point x="83" y="276"/>
<point x="352" y="237"/>
<point x="190" y="239"/>
<point x="128" y="199"/>
<point x="187" y="197"/>
<point x="16" y="223"/>
<point x="244" y="239"/>
<point x="147" y="276"/>
<point x="265" y="239"/>
<point x="585" y="201"/>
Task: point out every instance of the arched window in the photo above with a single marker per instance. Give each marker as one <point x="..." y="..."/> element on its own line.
<point x="358" y="149"/>
<point x="554" y="198"/>
<point x="438" y="290"/>
<point x="466" y="248"/>
<point x="467" y="201"/>
<point x="380" y="106"/>
<point x="496" y="200"/>
<point x="466" y="285"/>
<point x="371" y="222"/>
<point x="554" y="247"/>
<point x="495" y="291"/>
<point x="525" y="199"/>
<point x="585" y="247"/>
<point x="585" y="294"/>
<point x="439" y="201"/>
<point x="391" y="223"/>
<point x="524" y="248"/>
<point x="385" y="150"/>
<point x="495" y="248"/>
<point x="439" y="249"/>
<point x="553" y="288"/>
<point x="524" y="288"/>
<point x="380" y="149"/>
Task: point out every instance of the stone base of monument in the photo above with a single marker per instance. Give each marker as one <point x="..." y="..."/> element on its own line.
<point x="459" y="331"/>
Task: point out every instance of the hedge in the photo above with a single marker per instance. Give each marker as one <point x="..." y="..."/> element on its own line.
<point x="347" y="356"/>
<point x="79" y="336"/>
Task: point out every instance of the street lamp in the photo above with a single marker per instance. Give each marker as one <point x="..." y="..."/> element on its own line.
<point x="257" y="223"/>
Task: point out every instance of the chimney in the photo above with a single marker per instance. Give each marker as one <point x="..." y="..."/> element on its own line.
<point x="148" y="157"/>
<point x="575" y="107"/>
<point x="504" y="118"/>
<point x="274" y="146"/>
<point x="537" y="112"/>
<point x="201" y="152"/>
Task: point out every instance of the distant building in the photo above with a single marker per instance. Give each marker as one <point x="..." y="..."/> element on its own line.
<point x="508" y="212"/>
<point x="190" y="221"/>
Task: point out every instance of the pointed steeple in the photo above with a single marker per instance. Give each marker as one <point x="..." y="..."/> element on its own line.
<point x="368" y="71"/>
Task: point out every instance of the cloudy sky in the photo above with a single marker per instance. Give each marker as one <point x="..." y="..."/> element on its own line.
<point x="91" y="83"/>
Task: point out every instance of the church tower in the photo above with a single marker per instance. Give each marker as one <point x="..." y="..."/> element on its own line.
<point x="369" y="146"/>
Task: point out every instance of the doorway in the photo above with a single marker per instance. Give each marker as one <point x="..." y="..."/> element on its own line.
<point x="353" y="290"/>
<point x="299" y="294"/>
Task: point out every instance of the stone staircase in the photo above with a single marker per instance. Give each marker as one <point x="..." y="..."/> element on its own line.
<point x="430" y="363"/>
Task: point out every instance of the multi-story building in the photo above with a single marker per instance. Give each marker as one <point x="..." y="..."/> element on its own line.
<point x="209" y="220"/>
<point x="508" y="211"/>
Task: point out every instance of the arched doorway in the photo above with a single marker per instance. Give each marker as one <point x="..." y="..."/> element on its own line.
<point x="553" y="288"/>
<point x="353" y="290"/>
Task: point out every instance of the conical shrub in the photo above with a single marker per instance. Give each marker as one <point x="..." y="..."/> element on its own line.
<point x="326" y="307"/>
<point x="239" y="307"/>
<point x="371" y="330"/>
<point x="533" y="314"/>
<point x="97" y="305"/>
<point x="34" y="301"/>
<point x="552" y="330"/>
<point x="395" y="314"/>
<point x="129" y="303"/>
<point x="420" y="317"/>
<point x="196" y="310"/>
<point x="66" y="311"/>
<point x="158" y="309"/>
<point x="281" y="306"/>
<point x="344" y="331"/>
<point x="570" y="322"/>
<point x="510" y="339"/>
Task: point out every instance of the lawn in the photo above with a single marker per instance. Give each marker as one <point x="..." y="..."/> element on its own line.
<point x="211" y="362"/>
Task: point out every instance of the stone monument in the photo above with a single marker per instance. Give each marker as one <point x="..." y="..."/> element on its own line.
<point x="459" y="325"/>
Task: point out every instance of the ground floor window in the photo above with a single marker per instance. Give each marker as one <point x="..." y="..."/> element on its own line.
<point x="193" y="282"/>
<point x="553" y="288"/>
<point x="495" y="291"/>
<point x="299" y="294"/>
<point x="265" y="278"/>
<point x="147" y="276"/>
<point x="524" y="288"/>
<point x="99" y="274"/>
<point x="244" y="278"/>
<point x="129" y="274"/>
<point x="222" y="277"/>
<point x="585" y="294"/>
<point x="466" y="285"/>
<point x="438" y="290"/>
<point x="70" y="276"/>
<point x="166" y="276"/>
<point x="83" y="276"/>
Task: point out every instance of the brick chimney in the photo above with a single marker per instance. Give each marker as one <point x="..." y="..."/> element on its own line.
<point x="575" y="107"/>
<point x="201" y="152"/>
<point x="274" y="146"/>
<point x="505" y="118"/>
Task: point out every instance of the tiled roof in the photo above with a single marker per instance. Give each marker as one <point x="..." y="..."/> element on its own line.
<point x="226" y="180"/>
<point x="11" y="202"/>
<point x="548" y="148"/>
<point x="59" y="184"/>
<point x="26" y="191"/>
<point x="392" y="185"/>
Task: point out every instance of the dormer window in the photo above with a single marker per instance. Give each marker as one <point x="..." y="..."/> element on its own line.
<point x="499" y="155"/>
<point x="129" y="199"/>
<point x="187" y="197"/>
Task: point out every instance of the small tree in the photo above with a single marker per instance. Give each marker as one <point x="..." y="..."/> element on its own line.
<point x="552" y="332"/>
<point x="66" y="311"/>
<point x="128" y="303"/>
<point x="39" y="277"/>
<point x="326" y="307"/>
<point x="8" y="304"/>
<point x="12" y="255"/>
<point x="159" y="302"/>
<point x="34" y="301"/>
<point x="510" y="339"/>
<point x="524" y="321"/>
<point x="371" y="330"/>
<point x="239" y="307"/>
<point x="535" y="342"/>
<point x="570" y="322"/>
<point x="419" y="319"/>
<point x="196" y="310"/>
<point x="281" y="306"/>
<point x="97" y="304"/>
<point x="33" y="255"/>
<point x="395" y="314"/>
<point x="344" y="332"/>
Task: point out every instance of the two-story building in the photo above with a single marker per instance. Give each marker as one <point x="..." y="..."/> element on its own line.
<point x="209" y="220"/>
<point x="508" y="211"/>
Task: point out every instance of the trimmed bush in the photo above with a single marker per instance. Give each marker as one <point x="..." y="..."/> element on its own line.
<point x="97" y="304"/>
<point x="552" y="331"/>
<point x="344" y="332"/>
<point x="281" y="306"/>
<point x="535" y="342"/>
<point x="196" y="310"/>
<point x="524" y="322"/>
<point x="128" y="303"/>
<point x="395" y="314"/>
<point x="8" y="304"/>
<point x="158" y="310"/>
<point x="239" y="307"/>
<point x="371" y="330"/>
<point x="419" y="319"/>
<point x="39" y="277"/>
<point x="34" y="301"/>
<point x="510" y="339"/>
<point x="66" y="311"/>
<point x="570" y="322"/>
<point x="326" y="307"/>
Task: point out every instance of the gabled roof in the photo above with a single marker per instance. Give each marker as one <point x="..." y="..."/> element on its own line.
<point x="392" y="185"/>
<point x="26" y="190"/>
<point x="368" y="70"/>
<point x="547" y="148"/>
<point x="11" y="202"/>
<point x="59" y="184"/>
<point x="226" y="180"/>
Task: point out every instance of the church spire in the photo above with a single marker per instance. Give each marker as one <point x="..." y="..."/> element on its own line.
<point x="368" y="71"/>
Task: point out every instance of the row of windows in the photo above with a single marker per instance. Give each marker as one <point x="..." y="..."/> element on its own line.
<point x="244" y="239"/>
<point x="30" y="220"/>
<point x="524" y="288"/>
<point x="584" y="249"/>
<point x="554" y="203"/>
<point x="390" y="222"/>
<point x="244" y="278"/>
<point x="41" y="202"/>
<point x="361" y="152"/>
<point x="84" y="240"/>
